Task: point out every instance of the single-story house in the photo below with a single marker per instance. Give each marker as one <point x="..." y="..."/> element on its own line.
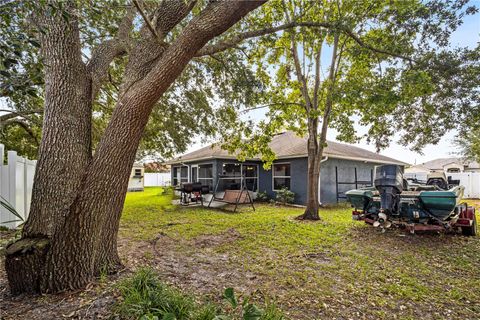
<point x="344" y="167"/>
<point x="447" y="165"/>
<point x="136" y="181"/>
<point x="451" y="165"/>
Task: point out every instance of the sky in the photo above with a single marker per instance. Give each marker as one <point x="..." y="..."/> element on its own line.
<point x="467" y="35"/>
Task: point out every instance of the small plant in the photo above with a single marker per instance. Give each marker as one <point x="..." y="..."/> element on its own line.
<point x="145" y="297"/>
<point x="285" y="196"/>
<point x="262" y="196"/>
<point x="248" y="310"/>
<point x="103" y="276"/>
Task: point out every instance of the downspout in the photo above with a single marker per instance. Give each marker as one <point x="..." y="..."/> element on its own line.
<point x="320" y="179"/>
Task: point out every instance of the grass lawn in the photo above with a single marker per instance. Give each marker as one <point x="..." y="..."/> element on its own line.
<point x="335" y="268"/>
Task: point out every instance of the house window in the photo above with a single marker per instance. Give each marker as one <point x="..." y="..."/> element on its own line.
<point x="205" y="175"/>
<point x="231" y="176"/>
<point x="250" y="173"/>
<point x="138" y="173"/>
<point x="180" y="174"/>
<point x="281" y="176"/>
<point x="453" y="170"/>
<point x="234" y="173"/>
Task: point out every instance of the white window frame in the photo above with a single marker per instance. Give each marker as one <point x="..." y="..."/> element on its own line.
<point x="241" y="173"/>
<point x="135" y="172"/>
<point x="179" y="178"/>
<point x="285" y="177"/>
<point x="190" y="178"/>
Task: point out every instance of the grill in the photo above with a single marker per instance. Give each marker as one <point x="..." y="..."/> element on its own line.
<point x="192" y="192"/>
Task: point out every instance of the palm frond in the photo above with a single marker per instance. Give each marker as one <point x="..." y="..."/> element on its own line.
<point x="4" y="203"/>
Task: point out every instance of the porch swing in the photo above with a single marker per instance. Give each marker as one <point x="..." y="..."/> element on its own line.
<point x="231" y="196"/>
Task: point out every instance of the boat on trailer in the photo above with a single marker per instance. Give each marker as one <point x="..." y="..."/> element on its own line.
<point x="393" y="201"/>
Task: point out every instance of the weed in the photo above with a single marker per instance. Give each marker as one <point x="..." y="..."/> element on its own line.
<point x="145" y="297"/>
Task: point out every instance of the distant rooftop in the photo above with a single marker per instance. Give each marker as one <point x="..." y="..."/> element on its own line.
<point x="438" y="164"/>
<point x="289" y="145"/>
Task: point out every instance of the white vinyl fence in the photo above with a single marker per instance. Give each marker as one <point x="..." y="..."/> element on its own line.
<point x="157" y="179"/>
<point x="16" y="181"/>
<point x="470" y="180"/>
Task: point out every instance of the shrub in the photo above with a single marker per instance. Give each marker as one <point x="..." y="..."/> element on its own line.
<point x="285" y="196"/>
<point x="262" y="196"/>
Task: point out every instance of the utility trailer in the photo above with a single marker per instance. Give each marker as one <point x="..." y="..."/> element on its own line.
<point x="392" y="201"/>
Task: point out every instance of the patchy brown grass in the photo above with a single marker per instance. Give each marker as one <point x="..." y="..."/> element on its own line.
<point x="332" y="269"/>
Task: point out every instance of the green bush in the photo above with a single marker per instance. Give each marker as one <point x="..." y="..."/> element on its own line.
<point x="145" y="297"/>
<point x="285" y="196"/>
<point x="262" y="196"/>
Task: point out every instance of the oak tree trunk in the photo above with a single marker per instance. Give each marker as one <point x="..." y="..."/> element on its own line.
<point x="71" y="233"/>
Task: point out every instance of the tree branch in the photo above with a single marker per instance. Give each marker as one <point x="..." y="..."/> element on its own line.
<point x="169" y="13"/>
<point x="298" y="67"/>
<point x="104" y="54"/>
<point x="359" y="41"/>
<point x="13" y="114"/>
<point x="146" y="20"/>
<point x="329" y="99"/>
<point x="236" y="39"/>
<point x="272" y="104"/>
<point x="316" y="85"/>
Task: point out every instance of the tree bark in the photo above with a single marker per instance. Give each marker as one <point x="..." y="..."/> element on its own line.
<point x="311" y="211"/>
<point x="70" y="251"/>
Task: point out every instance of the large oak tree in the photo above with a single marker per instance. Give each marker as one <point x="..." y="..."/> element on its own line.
<point x="71" y="232"/>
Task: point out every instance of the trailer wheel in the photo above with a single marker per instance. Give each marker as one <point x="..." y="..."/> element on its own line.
<point x="472" y="230"/>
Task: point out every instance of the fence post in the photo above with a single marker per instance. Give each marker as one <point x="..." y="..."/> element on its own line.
<point x="26" y="200"/>
<point x="12" y="183"/>
<point x="3" y="183"/>
<point x="12" y="178"/>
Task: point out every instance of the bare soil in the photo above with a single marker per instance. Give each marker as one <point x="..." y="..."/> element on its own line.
<point x="202" y="271"/>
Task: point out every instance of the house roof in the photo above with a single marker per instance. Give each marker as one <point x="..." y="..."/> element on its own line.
<point x="289" y="145"/>
<point x="417" y="168"/>
<point x="438" y="164"/>
<point x="157" y="167"/>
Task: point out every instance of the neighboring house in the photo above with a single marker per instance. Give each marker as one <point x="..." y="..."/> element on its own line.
<point x="344" y="167"/>
<point x="135" y="183"/>
<point x="452" y="165"/>
<point x="447" y="165"/>
<point x="157" y="167"/>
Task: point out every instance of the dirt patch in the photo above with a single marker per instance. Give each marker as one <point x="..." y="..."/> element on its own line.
<point x="212" y="240"/>
<point x="193" y="265"/>
<point x="95" y="302"/>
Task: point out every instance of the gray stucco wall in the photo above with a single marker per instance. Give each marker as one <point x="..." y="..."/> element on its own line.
<point x="346" y="174"/>
<point x="298" y="183"/>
